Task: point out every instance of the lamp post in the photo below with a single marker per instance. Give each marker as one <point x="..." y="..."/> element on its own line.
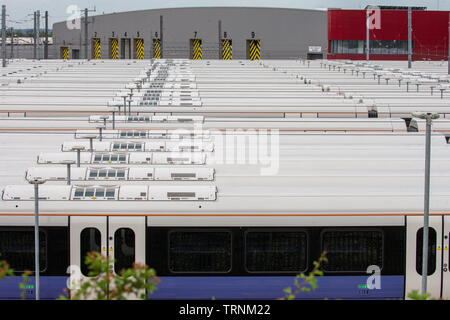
<point x="429" y="118"/>
<point x="36" y="183"/>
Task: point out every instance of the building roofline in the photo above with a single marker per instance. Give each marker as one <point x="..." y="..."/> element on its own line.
<point x="203" y="7"/>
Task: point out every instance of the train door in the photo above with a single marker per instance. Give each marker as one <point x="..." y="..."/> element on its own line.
<point x="414" y="242"/>
<point x="446" y="260"/>
<point x="120" y="238"/>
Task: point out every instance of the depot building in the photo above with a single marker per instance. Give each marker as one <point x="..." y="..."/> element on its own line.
<point x="254" y="33"/>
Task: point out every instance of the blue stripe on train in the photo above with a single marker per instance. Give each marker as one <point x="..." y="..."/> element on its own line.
<point x="331" y="287"/>
<point x="51" y="287"/>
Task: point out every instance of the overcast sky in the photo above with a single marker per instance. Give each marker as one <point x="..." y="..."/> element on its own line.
<point x="20" y="11"/>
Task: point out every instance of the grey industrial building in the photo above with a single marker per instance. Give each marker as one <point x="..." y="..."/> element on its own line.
<point x="281" y="33"/>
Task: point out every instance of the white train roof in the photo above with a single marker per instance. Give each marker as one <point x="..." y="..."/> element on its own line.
<point x="337" y="140"/>
<point x="314" y="89"/>
<point x="111" y="192"/>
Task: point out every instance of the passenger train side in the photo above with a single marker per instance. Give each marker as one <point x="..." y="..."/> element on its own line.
<point x="233" y="256"/>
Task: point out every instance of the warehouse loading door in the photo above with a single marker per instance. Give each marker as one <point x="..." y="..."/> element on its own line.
<point x="195" y="51"/>
<point x="75" y="53"/>
<point x="125" y="48"/>
<point x="156" y="48"/>
<point x="138" y="52"/>
<point x="113" y="48"/>
<point x="96" y="49"/>
<point x="314" y="56"/>
<point x="227" y="49"/>
<point x="64" y="53"/>
<point x="253" y="49"/>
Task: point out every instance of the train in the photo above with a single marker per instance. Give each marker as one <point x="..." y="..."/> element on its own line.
<point x="228" y="180"/>
<point x="222" y="230"/>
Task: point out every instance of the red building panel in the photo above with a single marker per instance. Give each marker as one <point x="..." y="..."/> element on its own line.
<point x="430" y="32"/>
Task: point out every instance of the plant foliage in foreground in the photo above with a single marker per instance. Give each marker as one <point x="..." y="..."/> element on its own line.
<point x="309" y="281"/>
<point x="103" y="284"/>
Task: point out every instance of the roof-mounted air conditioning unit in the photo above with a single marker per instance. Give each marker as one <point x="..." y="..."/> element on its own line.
<point x="193" y="193"/>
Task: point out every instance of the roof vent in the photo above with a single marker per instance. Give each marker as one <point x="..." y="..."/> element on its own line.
<point x="189" y="174"/>
<point x="193" y="193"/>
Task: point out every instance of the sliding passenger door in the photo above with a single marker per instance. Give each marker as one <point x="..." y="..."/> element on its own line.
<point x="446" y="260"/>
<point x="87" y="234"/>
<point x="122" y="239"/>
<point x="414" y="243"/>
<point x="126" y="242"/>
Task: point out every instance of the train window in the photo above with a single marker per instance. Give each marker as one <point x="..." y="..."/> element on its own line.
<point x="122" y="158"/>
<point x="199" y="251"/>
<point x="352" y="250"/>
<point x="431" y="251"/>
<point x="120" y="173"/>
<point x="282" y="251"/>
<point x="114" y="157"/>
<point x="17" y="248"/>
<point x="89" y="192"/>
<point x="100" y="158"/>
<point x="110" y="193"/>
<point x="79" y="192"/>
<point x="124" y="249"/>
<point x="93" y="173"/>
<point x="90" y="241"/>
<point x="102" y="173"/>
<point x="100" y="192"/>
